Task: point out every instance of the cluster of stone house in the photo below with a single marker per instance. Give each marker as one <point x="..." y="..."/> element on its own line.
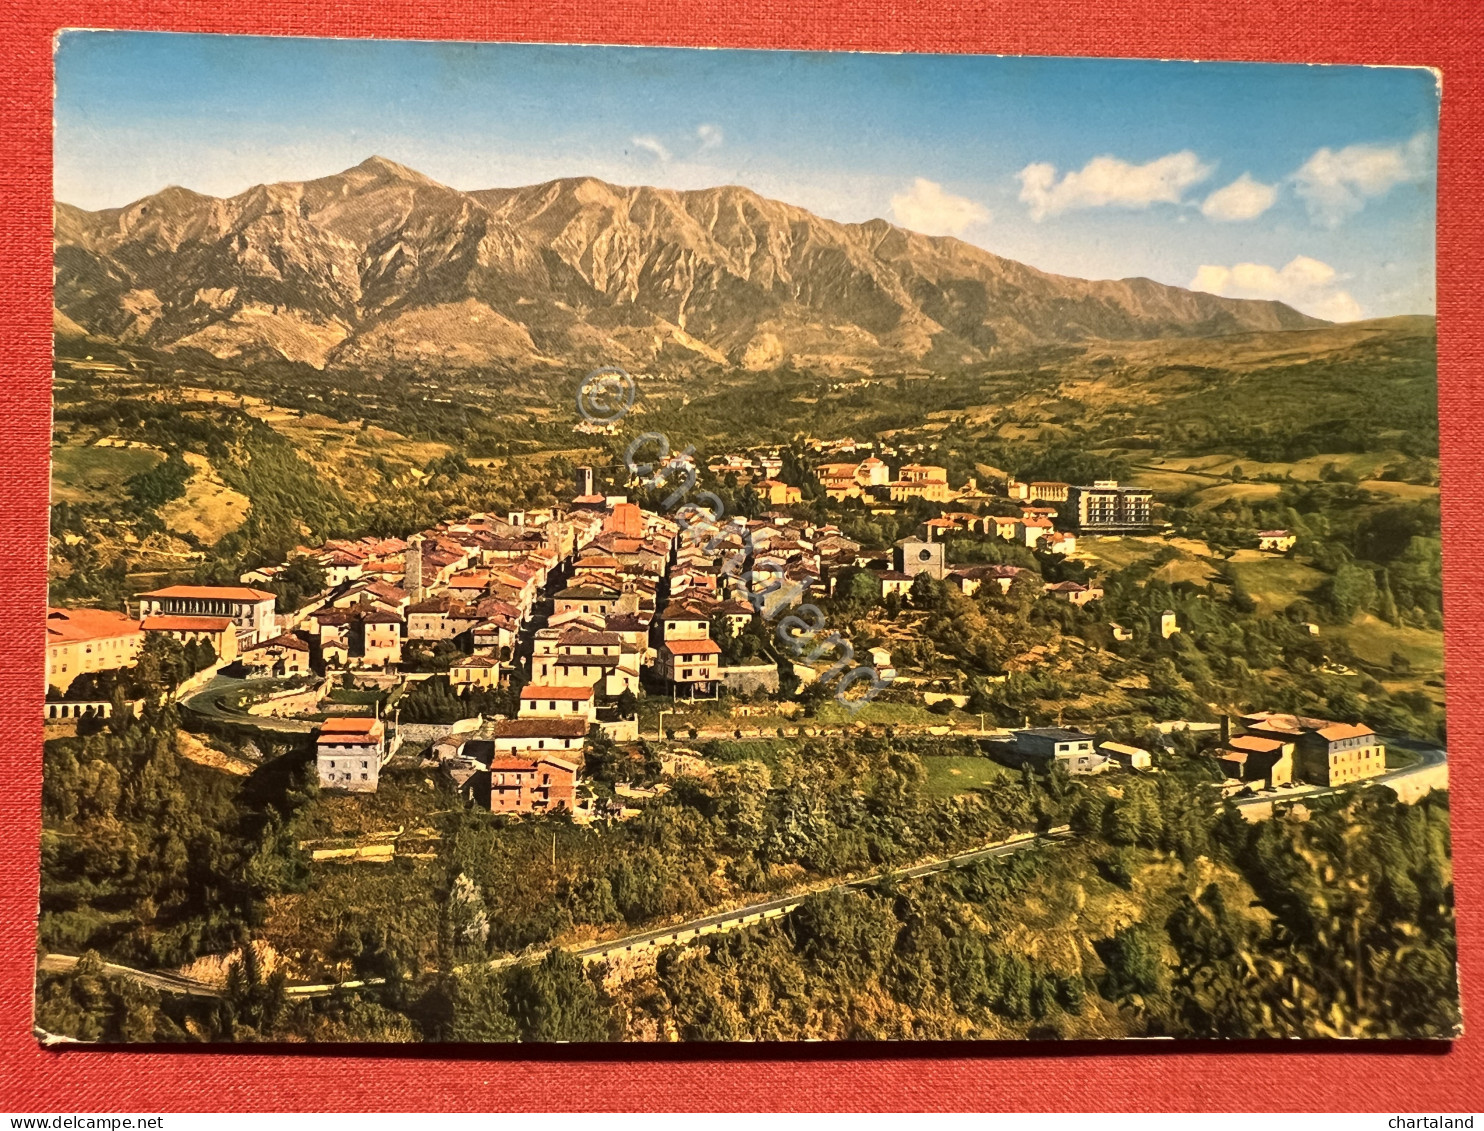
<point x="474" y="582"/>
<point x="594" y="646"/>
<point x="1277" y="749"/>
<point x="748" y="467"/>
<point x="870" y="479"/>
<point x="633" y="602"/>
<point x="1274" y="750"/>
<point x="1103" y="507"/>
<point x="851" y="479"/>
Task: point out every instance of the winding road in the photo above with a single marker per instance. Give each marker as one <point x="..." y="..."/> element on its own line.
<point x="773" y="908"/>
<point x="1432" y="760"/>
<point x="203" y="702"/>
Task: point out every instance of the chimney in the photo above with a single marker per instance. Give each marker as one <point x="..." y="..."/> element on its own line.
<point x="1226" y="728"/>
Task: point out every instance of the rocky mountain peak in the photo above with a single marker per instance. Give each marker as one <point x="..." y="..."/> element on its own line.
<point x="380" y="266"/>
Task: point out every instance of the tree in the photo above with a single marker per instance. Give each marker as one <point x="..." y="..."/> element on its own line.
<point x="1134" y="966"/>
<point x="1352" y="590"/>
<point x="555" y="1000"/>
<point x="478" y="1011"/>
<point x="1242" y="600"/>
<point x="161" y="665"/>
<point x="863" y="590"/>
<point x="1386" y="606"/>
<point x="927" y="592"/>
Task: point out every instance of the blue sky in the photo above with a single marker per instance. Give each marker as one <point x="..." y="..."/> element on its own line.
<point x="1315" y="185"/>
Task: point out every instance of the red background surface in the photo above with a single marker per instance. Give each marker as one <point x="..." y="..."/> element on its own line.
<point x="1133" y="1076"/>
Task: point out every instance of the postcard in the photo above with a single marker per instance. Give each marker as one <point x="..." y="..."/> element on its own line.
<point x="561" y="543"/>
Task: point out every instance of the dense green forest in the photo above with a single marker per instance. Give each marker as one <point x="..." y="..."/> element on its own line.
<point x="1356" y="940"/>
<point x="150" y="859"/>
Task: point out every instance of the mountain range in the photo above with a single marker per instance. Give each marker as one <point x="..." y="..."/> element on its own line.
<point x="382" y="267"/>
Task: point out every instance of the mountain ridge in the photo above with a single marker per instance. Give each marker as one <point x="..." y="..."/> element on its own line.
<point x="381" y="266"/>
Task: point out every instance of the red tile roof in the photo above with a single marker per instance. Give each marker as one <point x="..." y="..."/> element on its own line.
<point x="212" y="593"/>
<point x="287" y="640"/>
<point x="1336" y="731"/>
<point x="350" y="724"/>
<point x="574" y="694"/>
<point x="87" y="624"/>
<point x="573" y="637"/>
<point x="1254" y="744"/>
<point x="688" y="647"/>
<point x="528" y="765"/>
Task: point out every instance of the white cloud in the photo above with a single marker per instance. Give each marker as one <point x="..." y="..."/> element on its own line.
<point x="652" y="144"/>
<point x="1243" y="199"/>
<point x="710" y="135"/>
<point x="926" y="208"/>
<point x="1304" y="283"/>
<point x="1336" y="183"/>
<point x="1107" y="181"/>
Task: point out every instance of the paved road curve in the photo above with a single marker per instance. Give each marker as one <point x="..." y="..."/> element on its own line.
<point x="159" y="979"/>
<point x="773" y="908"/>
<point x="203" y="702"/>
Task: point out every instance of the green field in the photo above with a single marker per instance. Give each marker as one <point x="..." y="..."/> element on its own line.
<point x="1119" y="552"/>
<point x="1277" y="582"/>
<point x="209" y="508"/>
<point x="951" y="775"/>
<point x="87" y="474"/>
<point x="1250" y="493"/>
<point x="1375" y="641"/>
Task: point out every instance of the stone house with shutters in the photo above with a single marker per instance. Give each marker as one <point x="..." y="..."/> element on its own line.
<point x="538" y="701"/>
<point x="88" y="640"/>
<point x="543" y="783"/>
<point x="349" y="753"/>
<point x="562" y="736"/>
<point x="689" y="665"/>
<point x="476" y="672"/>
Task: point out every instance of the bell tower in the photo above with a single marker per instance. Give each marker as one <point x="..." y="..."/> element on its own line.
<point x="412" y="569"/>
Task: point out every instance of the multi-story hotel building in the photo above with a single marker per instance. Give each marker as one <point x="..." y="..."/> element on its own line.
<point x="1105" y="506"/>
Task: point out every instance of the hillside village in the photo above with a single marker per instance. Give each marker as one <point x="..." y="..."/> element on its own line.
<point x="411" y="745"/>
<point x="538" y="629"/>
